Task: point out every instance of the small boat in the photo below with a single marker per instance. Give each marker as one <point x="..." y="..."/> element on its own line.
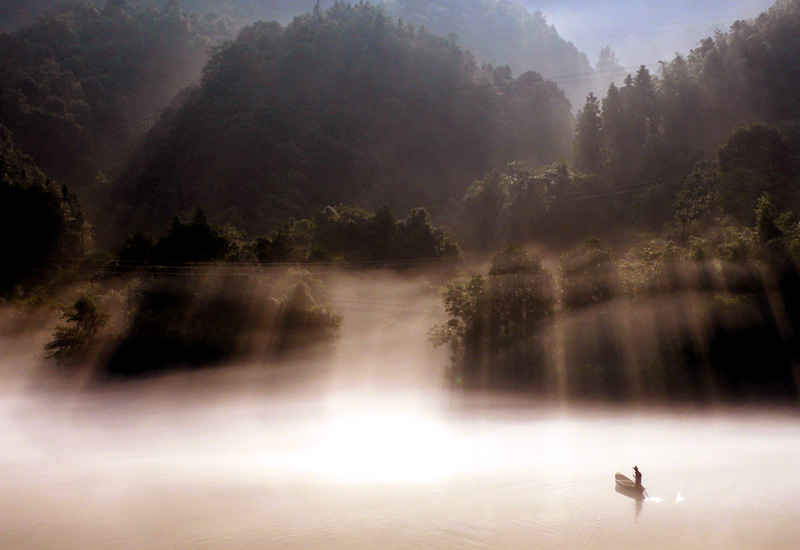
<point x="626" y="486"/>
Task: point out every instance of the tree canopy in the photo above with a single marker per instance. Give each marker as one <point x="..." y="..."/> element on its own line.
<point x="495" y="323"/>
<point x="497" y="32"/>
<point x="42" y="226"/>
<point x="81" y="84"/>
<point x="343" y="105"/>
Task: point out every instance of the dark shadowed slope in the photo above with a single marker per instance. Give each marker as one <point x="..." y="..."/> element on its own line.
<point x="342" y="106"/>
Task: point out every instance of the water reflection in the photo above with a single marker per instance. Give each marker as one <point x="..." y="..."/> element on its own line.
<point x="636" y="496"/>
<point x="358" y="471"/>
<point x="237" y="459"/>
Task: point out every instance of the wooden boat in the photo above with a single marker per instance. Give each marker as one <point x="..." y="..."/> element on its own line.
<point x="625" y="485"/>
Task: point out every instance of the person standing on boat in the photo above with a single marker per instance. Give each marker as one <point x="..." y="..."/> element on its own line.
<point x="638" y="476"/>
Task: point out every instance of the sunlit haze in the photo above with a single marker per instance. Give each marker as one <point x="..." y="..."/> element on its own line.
<point x="643" y="32"/>
<point x="399" y="274"/>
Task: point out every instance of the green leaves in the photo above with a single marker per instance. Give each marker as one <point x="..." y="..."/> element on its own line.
<point x="493" y="331"/>
<point x="86" y="82"/>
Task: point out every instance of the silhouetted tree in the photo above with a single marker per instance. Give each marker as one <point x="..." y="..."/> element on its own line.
<point x="613" y="124"/>
<point x="73" y="340"/>
<point x="196" y="241"/>
<point x="587" y="275"/>
<point x="766" y="220"/>
<point x="42" y="226"/>
<point x="588" y="148"/>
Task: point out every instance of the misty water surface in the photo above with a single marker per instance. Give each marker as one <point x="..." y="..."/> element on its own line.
<point x="369" y="450"/>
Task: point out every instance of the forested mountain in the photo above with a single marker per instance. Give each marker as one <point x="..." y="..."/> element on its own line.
<point x="749" y="74"/>
<point x="299" y="141"/>
<point x="499" y="32"/>
<point x="642" y="139"/>
<point x="344" y="105"/>
<point x="350" y="105"/>
<point x="507" y="33"/>
<point x="80" y="85"/>
<point x="693" y="176"/>
<point x="42" y="226"/>
<point x="15" y="14"/>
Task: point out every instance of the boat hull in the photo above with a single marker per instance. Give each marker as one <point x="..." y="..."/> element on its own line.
<point x="626" y="486"/>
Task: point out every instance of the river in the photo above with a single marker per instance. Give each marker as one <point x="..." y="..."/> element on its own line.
<point x="368" y="453"/>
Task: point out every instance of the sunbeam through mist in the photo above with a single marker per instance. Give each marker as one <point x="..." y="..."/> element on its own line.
<point x="399" y="274"/>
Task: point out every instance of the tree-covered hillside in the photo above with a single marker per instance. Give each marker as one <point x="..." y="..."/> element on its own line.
<point x="80" y="85"/>
<point x="497" y="32"/>
<point x="507" y="33"/>
<point x="344" y="105"/>
<point x="646" y="135"/>
<point x="500" y="32"/>
<point x="42" y="227"/>
<point x="15" y="14"/>
<point x="704" y="306"/>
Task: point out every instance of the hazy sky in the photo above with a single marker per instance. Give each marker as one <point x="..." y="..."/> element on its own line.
<point x="643" y="31"/>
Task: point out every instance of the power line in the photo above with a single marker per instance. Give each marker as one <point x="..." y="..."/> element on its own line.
<point x="122" y="267"/>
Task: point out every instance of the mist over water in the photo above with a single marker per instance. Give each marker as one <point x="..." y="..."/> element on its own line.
<point x="371" y="446"/>
<point x="369" y="449"/>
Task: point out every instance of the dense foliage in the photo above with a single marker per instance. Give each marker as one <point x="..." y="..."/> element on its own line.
<point x="82" y="83"/>
<point x="711" y="321"/>
<point x="343" y="235"/>
<point x="72" y="341"/>
<point x="42" y="227"/>
<point x="343" y="105"/>
<point x="361" y="238"/>
<point x="496" y="32"/>
<point x="645" y="135"/>
<point x="495" y="330"/>
<point x="196" y="320"/>
<point x="517" y="205"/>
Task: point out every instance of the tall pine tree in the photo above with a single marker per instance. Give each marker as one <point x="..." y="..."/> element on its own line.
<point x="588" y="136"/>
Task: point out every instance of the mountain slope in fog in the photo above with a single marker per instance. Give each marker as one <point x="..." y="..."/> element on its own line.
<point x="497" y="32"/>
<point x="652" y="125"/>
<point x="643" y="31"/>
<point x="80" y="85"/>
<point x="506" y="33"/>
<point x="731" y="103"/>
<point x="342" y="106"/>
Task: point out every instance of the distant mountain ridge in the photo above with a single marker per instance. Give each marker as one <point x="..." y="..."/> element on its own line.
<point x="499" y="32"/>
<point x="503" y="33"/>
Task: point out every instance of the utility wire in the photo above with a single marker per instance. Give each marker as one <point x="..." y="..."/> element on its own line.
<point x="183" y="268"/>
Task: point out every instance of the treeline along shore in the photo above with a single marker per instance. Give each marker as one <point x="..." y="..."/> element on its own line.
<point x="155" y="163"/>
